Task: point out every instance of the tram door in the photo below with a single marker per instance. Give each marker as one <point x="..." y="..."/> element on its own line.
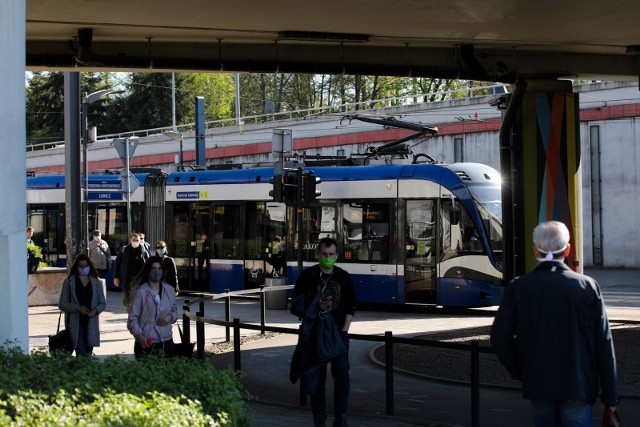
<point x="200" y="247"/>
<point x="188" y="223"/>
<point x="420" y="268"/>
<point x="263" y="242"/>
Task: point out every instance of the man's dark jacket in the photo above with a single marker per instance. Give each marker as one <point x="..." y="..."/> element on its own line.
<point x="552" y="332"/>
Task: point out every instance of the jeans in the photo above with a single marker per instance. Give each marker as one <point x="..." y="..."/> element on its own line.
<point x="341" y="386"/>
<point x="566" y="413"/>
<point x="82" y="349"/>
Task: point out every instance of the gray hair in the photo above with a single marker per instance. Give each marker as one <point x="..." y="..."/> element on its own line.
<point x="551" y="236"/>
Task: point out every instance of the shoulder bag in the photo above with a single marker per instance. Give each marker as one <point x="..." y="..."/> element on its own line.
<point x="61" y="341"/>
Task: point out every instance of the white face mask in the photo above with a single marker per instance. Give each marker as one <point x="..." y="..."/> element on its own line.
<point x="135" y="244"/>
<point x="83" y="271"/>
<point x="97" y="238"/>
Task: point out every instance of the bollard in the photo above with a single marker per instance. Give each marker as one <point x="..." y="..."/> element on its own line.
<point x="200" y="336"/>
<point x="475" y="384"/>
<point x="263" y="311"/>
<point x="227" y="314"/>
<point x="186" y="325"/>
<point x="236" y="345"/>
<point x="388" y="359"/>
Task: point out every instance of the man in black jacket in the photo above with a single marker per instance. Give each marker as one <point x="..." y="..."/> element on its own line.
<point x="552" y="333"/>
<point x="331" y="289"/>
<point x="129" y="263"/>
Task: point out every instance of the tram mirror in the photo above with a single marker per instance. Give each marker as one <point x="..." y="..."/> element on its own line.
<point x="454" y="215"/>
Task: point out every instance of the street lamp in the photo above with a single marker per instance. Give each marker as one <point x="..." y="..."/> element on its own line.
<point x="85" y="101"/>
<point x="176" y="136"/>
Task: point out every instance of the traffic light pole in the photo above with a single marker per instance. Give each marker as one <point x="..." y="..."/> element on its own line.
<point x="300" y="210"/>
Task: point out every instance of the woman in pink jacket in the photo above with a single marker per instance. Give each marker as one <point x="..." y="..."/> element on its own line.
<point x="153" y="311"/>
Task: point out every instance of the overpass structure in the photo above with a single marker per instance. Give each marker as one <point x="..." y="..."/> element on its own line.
<point x="529" y="43"/>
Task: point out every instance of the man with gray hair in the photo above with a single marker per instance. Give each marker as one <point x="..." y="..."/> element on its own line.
<point x="552" y="333"/>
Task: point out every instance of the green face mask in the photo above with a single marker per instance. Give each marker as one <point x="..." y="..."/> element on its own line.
<point x="327" y="262"/>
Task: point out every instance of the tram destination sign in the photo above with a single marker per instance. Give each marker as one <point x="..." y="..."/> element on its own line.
<point x="105" y="196"/>
<point x="105" y="184"/>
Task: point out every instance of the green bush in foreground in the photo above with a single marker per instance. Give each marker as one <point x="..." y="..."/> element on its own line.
<point x="117" y="391"/>
<point x="157" y="409"/>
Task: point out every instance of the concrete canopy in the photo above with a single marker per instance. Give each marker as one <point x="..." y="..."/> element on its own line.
<point x="491" y="40"/>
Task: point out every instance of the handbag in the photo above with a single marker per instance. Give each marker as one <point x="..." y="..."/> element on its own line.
<point x="184" y="349"/>
<point x="61" y="341"/>
<point x="611" y="419"/>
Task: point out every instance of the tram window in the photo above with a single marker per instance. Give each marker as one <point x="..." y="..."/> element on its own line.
<point x="112" y="222"/>
<point x="181" y="241"/>
<point x="227" y="231"/>
<point x="365" y="232"/>
<point x="317" y="222"/>
<point x="461" y="238"/>
<point x="420" y="229"/>
<point x="254" y="235"/>
<point x="275" y="246"/>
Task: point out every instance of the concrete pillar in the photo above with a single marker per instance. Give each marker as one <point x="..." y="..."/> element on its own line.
<point x="13" y="252"/>
<point x="546" y="171"/>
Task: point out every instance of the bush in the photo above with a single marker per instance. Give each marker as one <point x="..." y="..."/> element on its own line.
<point x="117" y="391"/>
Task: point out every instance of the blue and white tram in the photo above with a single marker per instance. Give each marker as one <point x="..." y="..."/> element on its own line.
<point x="408" y="234"/>
<point x="424" y="234"/>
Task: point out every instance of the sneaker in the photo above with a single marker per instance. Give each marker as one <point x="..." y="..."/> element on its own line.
<point x="319" y="421"/>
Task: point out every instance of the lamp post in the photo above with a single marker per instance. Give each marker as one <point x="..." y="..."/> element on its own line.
<point x="85" y="100"/>
<point x="176" y="136"/>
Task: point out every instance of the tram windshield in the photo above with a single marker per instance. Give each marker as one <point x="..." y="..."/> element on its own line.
<point x="488" y="201"/>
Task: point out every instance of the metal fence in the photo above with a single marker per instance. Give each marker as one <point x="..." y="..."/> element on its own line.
<point x="234" y="325"/>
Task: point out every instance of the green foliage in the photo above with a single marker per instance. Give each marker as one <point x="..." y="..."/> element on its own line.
<point x="37" y="250"/>
<point x="117" y="391"/>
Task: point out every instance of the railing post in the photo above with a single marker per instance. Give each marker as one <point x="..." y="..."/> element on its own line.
<point x="227" y="314"/>
<point x="186" y="324"/>
<point x="263" y="311"/>
<point x="388" y="359"/>
<point x="200" y="336"/>
<point x="303" y="382"/>
<point x="236" y="345"/>
<point x="475" y="384"/>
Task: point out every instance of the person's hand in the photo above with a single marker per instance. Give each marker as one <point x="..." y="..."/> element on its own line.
<point x="604" y="407"/>
<point x="142" y="341"/>
<point x="116" y="282"/>
<point x="164" y="320"/>
<point x="92" y="313"/>
<point x="83" y="310"/>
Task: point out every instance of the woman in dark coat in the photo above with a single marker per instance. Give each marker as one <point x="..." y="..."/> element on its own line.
<point x="168" y="265"/>
<point x="82" y="299"/>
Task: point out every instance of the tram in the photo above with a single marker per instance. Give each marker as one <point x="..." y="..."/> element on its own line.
<point x="408" y="234"/>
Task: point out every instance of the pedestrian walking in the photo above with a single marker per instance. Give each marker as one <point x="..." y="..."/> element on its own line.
<point x="552" y="333"/>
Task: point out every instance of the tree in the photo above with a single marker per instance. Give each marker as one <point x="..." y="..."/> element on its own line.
<point x="45" y="105"/>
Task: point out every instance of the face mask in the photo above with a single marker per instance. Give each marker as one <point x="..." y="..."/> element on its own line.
<point x="83" y="271"/>
<point x="327" y="262"/>
<point x="155" y="275"/>
<point x="97" y="238"/>
<point x="161" y="251"/>
<point x="135" y="244"/>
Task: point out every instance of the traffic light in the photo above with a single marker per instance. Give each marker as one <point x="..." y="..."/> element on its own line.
<point x="290" y="189"/>
<point x="310" y="193"/>
<point x="276" y="193"/>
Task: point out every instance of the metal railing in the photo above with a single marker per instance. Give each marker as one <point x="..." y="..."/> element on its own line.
<point x="299" y="114"/>
<point x="387" y="339"/>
